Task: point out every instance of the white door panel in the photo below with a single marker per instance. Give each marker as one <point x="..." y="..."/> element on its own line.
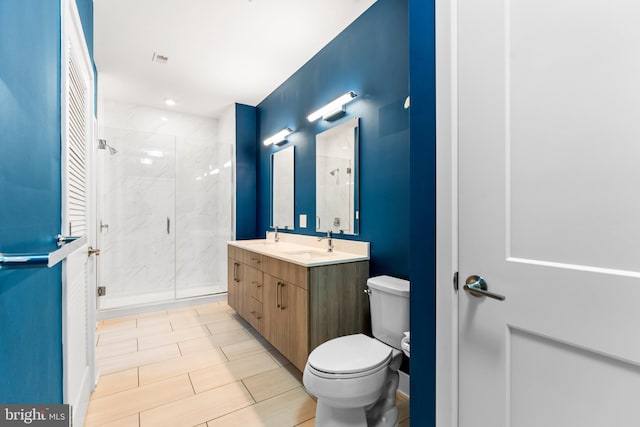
<point x="549" y="97"/>
<point x="78" y="215"/>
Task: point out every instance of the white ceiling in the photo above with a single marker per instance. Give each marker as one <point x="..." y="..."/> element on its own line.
<point x="220" y="51"/>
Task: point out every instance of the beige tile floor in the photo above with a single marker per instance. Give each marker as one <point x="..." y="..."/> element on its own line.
<point x="201" y="366"/>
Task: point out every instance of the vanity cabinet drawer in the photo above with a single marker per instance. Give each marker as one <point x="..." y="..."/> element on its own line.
<point x="254" y="279"/>
<point x="255" y="315"/>
<point x="253" y="259"/>
<point x="287" y="271"/>
<point x="234" y="253"/>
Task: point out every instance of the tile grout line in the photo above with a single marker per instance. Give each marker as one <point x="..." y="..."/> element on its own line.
<point x="249" y="391"/>
<point x="299" y="424"/>
<point x="191" y="382"/>
<point x="235" y="410"/>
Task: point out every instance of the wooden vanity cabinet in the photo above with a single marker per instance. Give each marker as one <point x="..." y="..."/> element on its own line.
<point x="234" y="279"/>
<point x="297" y="308"/>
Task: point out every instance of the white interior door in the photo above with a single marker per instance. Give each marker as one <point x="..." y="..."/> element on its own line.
<point x="549" y="145"/>
<point x="78" y="216"/>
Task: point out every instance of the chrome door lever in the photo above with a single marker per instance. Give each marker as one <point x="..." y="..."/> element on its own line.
<point x="93" y="251"/>
<point x="477" y="286"/>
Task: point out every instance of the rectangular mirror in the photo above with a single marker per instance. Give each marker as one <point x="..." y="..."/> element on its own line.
<point x="282" y="177"/>
<point x="337" y="207"/>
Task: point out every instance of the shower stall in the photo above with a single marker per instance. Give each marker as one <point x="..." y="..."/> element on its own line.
<point x="164" y="213"/>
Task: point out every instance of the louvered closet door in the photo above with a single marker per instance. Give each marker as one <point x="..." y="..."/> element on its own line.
<point x="78" y="218"/>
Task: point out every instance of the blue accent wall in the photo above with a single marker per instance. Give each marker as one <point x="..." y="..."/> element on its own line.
<point x="246" y="157"/>
<point x="370" y="57"/>
<point x="30" y="300"/>
<point x="423" y="208"/>
<point x="30" y="188"/>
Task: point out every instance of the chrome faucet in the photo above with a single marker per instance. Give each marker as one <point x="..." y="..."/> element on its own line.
<point x="329" y="240"/>
<point x="276" y="237"/>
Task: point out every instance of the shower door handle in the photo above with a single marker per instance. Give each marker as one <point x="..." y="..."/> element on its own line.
<point x="168" y="225"/>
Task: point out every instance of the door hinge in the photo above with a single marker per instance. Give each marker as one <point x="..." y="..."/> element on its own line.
<point x="102" y="291"/>
<point x="455" y="281"/>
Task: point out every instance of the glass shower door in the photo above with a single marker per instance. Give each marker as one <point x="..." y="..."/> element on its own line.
<point x="137" y="233"/>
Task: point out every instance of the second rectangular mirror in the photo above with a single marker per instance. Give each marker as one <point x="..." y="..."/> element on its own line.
<point x="337" y="207"/>
<point x="282" y="176"/>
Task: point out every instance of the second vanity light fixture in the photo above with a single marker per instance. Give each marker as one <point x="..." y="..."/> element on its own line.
<point x="332" y="109"/>
<point x="279" y="137"/>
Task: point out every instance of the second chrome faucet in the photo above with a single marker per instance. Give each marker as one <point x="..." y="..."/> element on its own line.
<point x="329" y="241"/>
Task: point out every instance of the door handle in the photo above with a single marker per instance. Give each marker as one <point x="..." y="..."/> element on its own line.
<point x="93" y="251"/>
<point x="477" y="286"/>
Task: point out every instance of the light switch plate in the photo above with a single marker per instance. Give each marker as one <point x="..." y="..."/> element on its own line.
<point x="303" y="221"/>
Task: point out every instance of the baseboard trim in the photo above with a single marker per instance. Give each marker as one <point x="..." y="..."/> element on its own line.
<point x="403" y="387"/>
<point x="148" y="308"/>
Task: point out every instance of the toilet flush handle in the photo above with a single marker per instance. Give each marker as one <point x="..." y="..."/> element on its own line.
<point x="367" y="291"/>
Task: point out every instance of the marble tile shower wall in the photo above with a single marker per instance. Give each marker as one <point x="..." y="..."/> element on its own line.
<point x="186" y="177"/>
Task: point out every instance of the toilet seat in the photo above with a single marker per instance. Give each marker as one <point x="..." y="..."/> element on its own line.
<point x="351" y="356"/>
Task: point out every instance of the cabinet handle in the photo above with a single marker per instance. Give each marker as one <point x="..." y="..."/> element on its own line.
<point x="282" y="307"/>
<point x="278" y="294"/>
<point x="236" y="276"/>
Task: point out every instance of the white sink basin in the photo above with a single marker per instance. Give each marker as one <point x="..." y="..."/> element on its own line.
<point x="262" y="243"/>
<point x="308" y="254"/>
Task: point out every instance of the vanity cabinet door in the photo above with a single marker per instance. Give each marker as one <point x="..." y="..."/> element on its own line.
<point x="276" y="316"/>
<point x="285" y="319"/>
<point x="234" y="284"/>
<point x="298" y="325"/>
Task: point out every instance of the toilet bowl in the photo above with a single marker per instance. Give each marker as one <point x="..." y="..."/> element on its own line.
<point x="348" y="375"/>
<point x="355" y="377"/>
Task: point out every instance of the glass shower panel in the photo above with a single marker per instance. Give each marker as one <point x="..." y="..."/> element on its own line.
<point x="137" y="233"/>
<point x="203" y="211"/>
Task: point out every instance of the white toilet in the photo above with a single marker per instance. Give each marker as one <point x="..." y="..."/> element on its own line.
<point x="355" y="377"/>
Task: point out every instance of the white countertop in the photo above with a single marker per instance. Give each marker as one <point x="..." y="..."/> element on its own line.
<point x="306" y="251"/>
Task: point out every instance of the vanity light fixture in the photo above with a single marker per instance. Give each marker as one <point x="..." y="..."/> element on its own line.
<point x="279" y="137"/>
<point x="332" y="109"/>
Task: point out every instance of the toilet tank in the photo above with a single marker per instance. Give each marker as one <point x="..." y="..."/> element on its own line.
<point x="389" y="300"/>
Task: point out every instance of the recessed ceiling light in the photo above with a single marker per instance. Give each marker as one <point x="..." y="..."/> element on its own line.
<point x="170" y="102"/>
<point x="164" y="119"/>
